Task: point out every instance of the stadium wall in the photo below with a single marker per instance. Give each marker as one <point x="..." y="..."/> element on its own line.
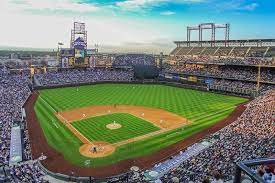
<point x="64" y="172"/>
<point x="149" y="82"/>
<point x="72" y="178"/>
<point x="168" y="82"/>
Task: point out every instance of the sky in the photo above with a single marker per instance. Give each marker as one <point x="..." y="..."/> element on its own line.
<point x="129" y="23"/>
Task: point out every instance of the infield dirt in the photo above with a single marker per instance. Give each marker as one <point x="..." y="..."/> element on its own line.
<point x="58" y="164"/>
<point x="163" y="119"/>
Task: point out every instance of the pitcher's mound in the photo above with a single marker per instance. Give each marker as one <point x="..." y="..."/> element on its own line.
<point x="113" y="126"/>
<point x="96" y="149"/>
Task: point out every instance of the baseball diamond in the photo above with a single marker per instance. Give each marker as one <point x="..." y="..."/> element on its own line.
<point x="129" y="99"/>
<point x="150" y="118"/>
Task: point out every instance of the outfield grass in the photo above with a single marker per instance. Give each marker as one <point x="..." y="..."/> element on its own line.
<point x="95" y="128"/>
<point x="203" y="109"/>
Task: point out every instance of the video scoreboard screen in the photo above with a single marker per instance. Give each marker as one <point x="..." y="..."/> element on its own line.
<point x="79" y="56"/>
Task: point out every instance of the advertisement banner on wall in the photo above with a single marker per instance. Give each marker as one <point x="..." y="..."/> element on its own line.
<point x="71" y="61"/>
<point x="192" y="78"/>
<point x="64" y="62"/>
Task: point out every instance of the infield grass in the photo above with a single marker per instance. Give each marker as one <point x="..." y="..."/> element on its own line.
<point x="95" y="128"/>
<point x="202" y="109"/>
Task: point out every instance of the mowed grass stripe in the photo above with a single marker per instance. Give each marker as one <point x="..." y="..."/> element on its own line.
<point x="95" y="128"/>
<point x="202" y="108"/>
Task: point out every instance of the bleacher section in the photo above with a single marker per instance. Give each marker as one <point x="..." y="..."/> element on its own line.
<point x="196" y="50"/>
<point x="257" y="51"/>
<point x="223" y="51"/>
<point x="209" y="51"/>
<point x="270" y="52"/>
<point x="159" y="170"/>
<point x="128" y="60"/>
<point x="184" y="51"/>
<point x="230" y="67"/>
<point x="239" y="52"/>
<point x="233" y="48"/>
<point x="175" y="51"/>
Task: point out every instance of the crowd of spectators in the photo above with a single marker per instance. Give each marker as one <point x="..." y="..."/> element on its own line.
<point x="14" y="91"/>
<point x="27" y="172"/>
<point x="267" y="173"/>
<point x="134" y="59"/>
<point x="251" y="136"/>
<point x="239" y="73"/>
<point x="242" y="85"/>
<point x="83" y="76"/>
<point x="226" y="60"/>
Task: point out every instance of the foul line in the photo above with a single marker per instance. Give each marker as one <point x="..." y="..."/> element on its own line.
<point x="55" y="124"/>
<point x="54" y="110"/>
<point x="69" y="126"/>
<point x="47" y="103"/>
<point x="120" y="143"/>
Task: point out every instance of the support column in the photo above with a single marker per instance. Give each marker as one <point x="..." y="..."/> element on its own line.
<point x="213" y="36"/>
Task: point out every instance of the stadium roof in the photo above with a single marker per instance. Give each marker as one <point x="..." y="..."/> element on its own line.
<point x="232" y="41"/>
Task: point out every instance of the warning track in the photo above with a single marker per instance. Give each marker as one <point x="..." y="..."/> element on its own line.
<point x="55" y="161"/>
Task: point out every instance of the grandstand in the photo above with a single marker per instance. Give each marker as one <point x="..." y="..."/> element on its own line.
<point x="126" y="60"/>
<point x="225" y="138"/>
<point x="243" y="67"/>
<point x="261" y="48"/>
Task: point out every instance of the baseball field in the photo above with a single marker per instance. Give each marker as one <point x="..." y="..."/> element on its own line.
<point x="103" y="124"/>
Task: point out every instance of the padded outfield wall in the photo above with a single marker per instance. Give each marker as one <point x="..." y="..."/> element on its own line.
<point x="183" y="144"/>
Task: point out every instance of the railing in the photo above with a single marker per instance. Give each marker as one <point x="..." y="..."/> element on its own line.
<point x="242" y="91"/>
<point x="244" y="167"/>
<point x="169" y="83"/>
<point x="73" y="178"/>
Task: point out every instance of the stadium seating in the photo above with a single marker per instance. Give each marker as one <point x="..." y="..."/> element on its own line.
<point x="82" y="76"/>
<point x="14" y="92"/>
<point x="231" y="51"/>
<point x="250" y="136"/>
<point x="134" y="59"/>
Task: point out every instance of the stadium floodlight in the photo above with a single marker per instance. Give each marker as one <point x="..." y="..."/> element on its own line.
<point x="208" y="26"/>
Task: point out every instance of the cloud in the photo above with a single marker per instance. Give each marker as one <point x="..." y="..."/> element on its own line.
<point x="167" y="13"/>
<point x="54" y="6"/>
<point x="236" y="5"/>
<point x="250" y="7"/>
<point x="143" y="4"/>
<point x="84" y="7"/>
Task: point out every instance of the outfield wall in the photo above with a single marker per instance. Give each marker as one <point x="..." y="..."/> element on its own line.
<point x="188" y="85"/>
<point x="56" y="166"/>
<point x="87" y="179"/>
<point x="176" y="84"/>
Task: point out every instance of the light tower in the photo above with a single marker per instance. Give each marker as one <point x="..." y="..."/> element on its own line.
<point x="212" y="27"/>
